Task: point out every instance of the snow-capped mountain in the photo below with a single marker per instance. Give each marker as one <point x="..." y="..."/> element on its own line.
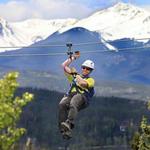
<point x="5" y="29"/>
<point x="28" y="32"/>
<point x="38" y="29"/>
<point x="119" y="21"/>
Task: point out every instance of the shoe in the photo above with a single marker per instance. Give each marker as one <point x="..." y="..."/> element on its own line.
<point x="66" y="130"/>
<point x="67" y="135"/>
<point x="65" y="127"/>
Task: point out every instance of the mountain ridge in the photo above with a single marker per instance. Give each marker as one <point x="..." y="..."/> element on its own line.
<point x="111" y="23"/>
<point x="129" y="66"/>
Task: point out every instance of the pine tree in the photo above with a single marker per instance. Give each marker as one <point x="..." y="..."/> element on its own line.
<point x="141" y="140"/>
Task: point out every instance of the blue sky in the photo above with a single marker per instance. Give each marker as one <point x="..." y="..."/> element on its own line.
<point x="17" y="10"/>
<point x="96" y="2"/>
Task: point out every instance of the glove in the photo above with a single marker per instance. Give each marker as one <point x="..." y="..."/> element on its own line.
<point x="73" y="72"/>
<point x="76" y="54"/>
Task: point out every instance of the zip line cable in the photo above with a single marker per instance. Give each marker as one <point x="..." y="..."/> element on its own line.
<point x="135" y="49"/>
<point x="52" y="45"/>
<point x="33" y="54"/>
<point x="136" y="39"/>
<point x="75" y="44"/>
<point x="36" y="46"/>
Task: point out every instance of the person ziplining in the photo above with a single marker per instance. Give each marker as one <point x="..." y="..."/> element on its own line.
<point x="80" y="93"/>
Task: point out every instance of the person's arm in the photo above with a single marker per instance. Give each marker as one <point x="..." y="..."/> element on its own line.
<point x="67" y="62"/>
<point x="85" y="83"/>
<point x="81" y="81"/>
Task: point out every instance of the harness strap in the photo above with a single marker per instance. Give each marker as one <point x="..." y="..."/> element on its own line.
<point x="76" y="87"/>
<point x="72" y="86"/>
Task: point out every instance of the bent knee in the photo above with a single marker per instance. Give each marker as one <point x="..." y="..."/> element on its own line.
<point x="63" y="104"/>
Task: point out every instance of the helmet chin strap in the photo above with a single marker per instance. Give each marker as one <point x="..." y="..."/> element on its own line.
<point x="85" y="76"/>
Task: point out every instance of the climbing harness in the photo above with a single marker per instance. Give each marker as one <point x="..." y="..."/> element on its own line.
<point x="89" y="92"/>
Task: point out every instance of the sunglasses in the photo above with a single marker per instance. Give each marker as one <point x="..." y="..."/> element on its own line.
<point x="86" y="68"/>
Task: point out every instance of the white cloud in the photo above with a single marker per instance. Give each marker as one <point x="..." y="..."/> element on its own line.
<point x="13" y="10"/>
<point x="16" y="10"/>
<point x="147" y="7"/>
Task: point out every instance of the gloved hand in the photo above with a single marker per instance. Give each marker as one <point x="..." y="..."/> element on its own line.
<point x="76" y="54"/>
<point x="73" y="71"/>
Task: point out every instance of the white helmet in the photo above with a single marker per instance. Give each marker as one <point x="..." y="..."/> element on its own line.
<point x="89" y="64"/>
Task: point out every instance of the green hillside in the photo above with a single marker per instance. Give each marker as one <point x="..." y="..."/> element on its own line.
<point x="108" y="121"/>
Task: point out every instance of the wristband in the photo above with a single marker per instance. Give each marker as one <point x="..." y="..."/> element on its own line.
<point x="73" y="58"/>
